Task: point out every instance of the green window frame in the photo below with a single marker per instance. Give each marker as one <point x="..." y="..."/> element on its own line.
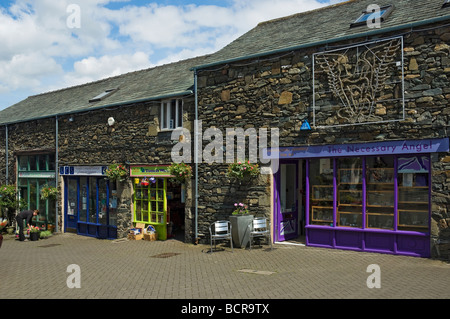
<point x="150" y="202"/>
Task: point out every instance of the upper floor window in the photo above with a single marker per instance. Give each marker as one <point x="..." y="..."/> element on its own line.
<point x="41" y="162"/>
<point x="171" y="114"/>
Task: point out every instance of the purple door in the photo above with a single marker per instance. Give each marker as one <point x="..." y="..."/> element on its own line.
<point x="286" y="201"/>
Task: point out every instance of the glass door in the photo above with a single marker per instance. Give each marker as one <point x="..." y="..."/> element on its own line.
<point x="72" y="204"/>
<point x="287" y="216"/>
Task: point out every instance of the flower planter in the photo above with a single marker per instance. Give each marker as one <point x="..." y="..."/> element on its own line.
<point x="10" y="230"/>
<point x="34" y="236"/>
<point x="239" y="229"/>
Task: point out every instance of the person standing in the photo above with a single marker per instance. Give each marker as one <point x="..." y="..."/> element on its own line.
<point x="25" y="215"/>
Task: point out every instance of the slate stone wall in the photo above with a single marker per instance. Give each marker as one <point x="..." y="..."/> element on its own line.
<point x="276" y="91"/>
<point x="87" y="139"/>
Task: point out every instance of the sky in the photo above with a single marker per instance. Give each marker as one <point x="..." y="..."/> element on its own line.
<point x="48" y="45"/>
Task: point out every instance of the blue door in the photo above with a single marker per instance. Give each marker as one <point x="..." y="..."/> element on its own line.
<point x="87" y="206"/>
<point x="72" y="204"/>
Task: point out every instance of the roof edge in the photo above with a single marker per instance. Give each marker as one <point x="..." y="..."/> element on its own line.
<point x="317" y="43"/>
<point x="153" y="98"/>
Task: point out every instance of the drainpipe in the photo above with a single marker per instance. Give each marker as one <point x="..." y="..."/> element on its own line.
<point x="196" y="157"/>
<point x="56" y="170"/>
<point x="7" y="155"/>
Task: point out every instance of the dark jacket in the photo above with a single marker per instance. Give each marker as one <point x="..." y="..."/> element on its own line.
<point x="26" y="214"/>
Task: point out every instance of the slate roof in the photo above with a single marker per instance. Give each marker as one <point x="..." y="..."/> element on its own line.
<point x="324" y="25"/>
<point x="305" y="29"/>
<point x="150" y="84"/>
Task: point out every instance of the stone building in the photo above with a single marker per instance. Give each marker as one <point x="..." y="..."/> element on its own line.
<point x="362" y="108"/>
<point x="68" y="138"/>
<point x="353" y="99"/>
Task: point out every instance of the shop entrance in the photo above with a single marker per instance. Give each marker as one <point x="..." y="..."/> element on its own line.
<point x="289" y="202"/>
<point x="89" y="209"/>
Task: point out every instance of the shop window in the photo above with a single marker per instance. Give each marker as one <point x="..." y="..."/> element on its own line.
<point x="321" y="192"/>
<point x="413" y="193"/>
<point x="171" y="114"/>
<point x="150" y="201"/>
<point x="349" y="192"/>
<point x="380" y="192"/>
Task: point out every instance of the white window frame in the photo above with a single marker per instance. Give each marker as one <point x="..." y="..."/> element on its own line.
<point x="169" y="121"/>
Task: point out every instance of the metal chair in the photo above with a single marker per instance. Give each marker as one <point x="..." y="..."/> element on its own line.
<point x="260" y="228"/>
<point x="220" y="230"/>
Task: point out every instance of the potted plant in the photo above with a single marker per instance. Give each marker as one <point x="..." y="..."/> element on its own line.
<point x="116" y="172"/>
<point x="49" y="192"/>
<point x="9" y="202"/>
<point x="240" y="219"/>
<point x="180" y="172"/>
<point x="34" y="233"/>
<point x="243" y="170"/>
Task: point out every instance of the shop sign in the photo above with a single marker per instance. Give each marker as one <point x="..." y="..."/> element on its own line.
<point x="150" y="170"/>
<point x="37" y="175"/>
<point x="82" y="170"/>
<point x="362" y="149"/>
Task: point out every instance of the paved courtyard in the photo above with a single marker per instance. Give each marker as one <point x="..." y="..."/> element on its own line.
<point x="124" y="269"/>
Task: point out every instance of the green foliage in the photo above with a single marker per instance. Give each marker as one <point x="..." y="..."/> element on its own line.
<point x="9" y="200"/>
<point x="180" y="172"/>
<point x="240" y="209"/>
<point x="116" y="172"/>
<point x="49" y="192"/>
<point x="243" y="170"/>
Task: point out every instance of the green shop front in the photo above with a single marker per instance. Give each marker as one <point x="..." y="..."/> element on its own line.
<point x="157" y="201"/>
<point x="90" y="202"/>
<point x="35" y="172"/>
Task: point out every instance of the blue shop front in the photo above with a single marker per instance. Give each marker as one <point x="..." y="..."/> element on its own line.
<point x="90" y="202"/>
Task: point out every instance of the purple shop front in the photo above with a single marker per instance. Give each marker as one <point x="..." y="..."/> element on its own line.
<point x="373" y="197"/>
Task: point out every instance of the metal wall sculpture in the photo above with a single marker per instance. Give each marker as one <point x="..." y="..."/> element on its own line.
<point x="360" y="84"/>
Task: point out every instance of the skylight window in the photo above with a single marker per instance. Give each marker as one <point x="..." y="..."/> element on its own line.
<point x="102" y="95"/>
<point x="446" y="4"/>
<point x="370" y="15"/>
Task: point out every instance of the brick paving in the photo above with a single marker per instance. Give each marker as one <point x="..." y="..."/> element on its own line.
<point x="126" y="269"/>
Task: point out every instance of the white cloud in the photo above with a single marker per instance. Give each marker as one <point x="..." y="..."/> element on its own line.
<point x="91" y="68"/>
<point x="37" y="43"/>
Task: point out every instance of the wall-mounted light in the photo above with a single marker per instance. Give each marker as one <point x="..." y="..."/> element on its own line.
<point x="71" y="119"/>
<point x="111" y="121"/>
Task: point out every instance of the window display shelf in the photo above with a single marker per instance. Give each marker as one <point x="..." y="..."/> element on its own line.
<point x="349" y="219"/>
<point x="322" y="214"/>
<point x="412" y="218"/>
<point x="379" y="220"/>
<point x="322" y="193"/>
<point x="350" y="198"/>
<point x="380" y="175"/>
<point x="380" y="198"/>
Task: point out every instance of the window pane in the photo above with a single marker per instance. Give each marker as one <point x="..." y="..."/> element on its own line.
<point x="42" y="162"/>
<point x="321" y="191"/>
<point x="380" y="192"/>
<point x="33" y="166"/>
<point x="349" y="192"/>
<point x="413" y="193"/>
<point x="164" y="118"/>
<point x="180" y="113"/>
<point x="83" y="199"/>
<point x="23" y="163"/>
<point x="173" y="113"/>
<point x="51" y="162"/>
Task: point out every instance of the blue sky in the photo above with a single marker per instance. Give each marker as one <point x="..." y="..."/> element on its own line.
<point x="49" y="45"/>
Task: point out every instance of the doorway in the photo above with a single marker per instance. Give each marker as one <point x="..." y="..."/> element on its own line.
<point x="89" y="209"/>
